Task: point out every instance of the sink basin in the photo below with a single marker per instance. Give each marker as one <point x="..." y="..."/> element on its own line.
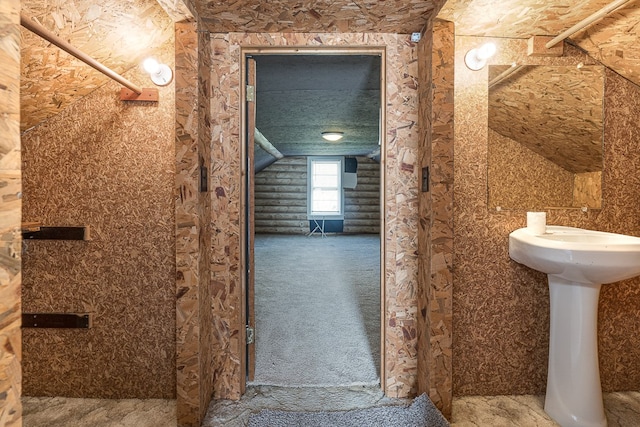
<point x="578" y="255"/>
<point x="577" y="263"/>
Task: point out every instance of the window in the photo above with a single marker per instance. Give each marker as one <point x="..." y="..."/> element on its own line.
<point x="324" y="187"/>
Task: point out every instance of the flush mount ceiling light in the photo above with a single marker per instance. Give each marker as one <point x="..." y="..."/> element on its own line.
<point x="160" y="74"/>
<point x="476" y="59"/>
<point x="332" y="136"/>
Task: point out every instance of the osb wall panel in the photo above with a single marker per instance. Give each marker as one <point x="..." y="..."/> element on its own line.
<point x="587" y="190"/>
<point x="192" y="337"/>
<point x="10" y="208"/>
<point x="555" y="111"/>
<point x="204" y="207"/>
<point x="441" y="237"/>
<point x="344" y="16"/>
<point x="425" y="108"/>
<point x="619" y="311"/>
<point x="611" y="40"/>
<point x="519" y="178"/>
<point x="178" y="10"/>
<point x="226" y="304"/>
<point x="401" y="184"/>
<point x="501" y="320"/>
<point x="108" y="165"/>
<point x="120" y="36"/>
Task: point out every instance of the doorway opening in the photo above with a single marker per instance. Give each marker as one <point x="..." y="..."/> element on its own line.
<point x="313" y="217"/>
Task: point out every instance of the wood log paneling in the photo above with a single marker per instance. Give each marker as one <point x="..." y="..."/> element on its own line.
<point x="281" y="198"/>
<point x="362" y="204"/>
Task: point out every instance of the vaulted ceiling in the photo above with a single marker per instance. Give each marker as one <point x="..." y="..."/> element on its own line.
<point x="119" y="33"/>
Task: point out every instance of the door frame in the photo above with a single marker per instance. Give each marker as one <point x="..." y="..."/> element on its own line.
<point x="303" y="50"/>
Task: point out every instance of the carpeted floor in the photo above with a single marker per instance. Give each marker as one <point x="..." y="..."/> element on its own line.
<point x="317" y="303"/>
<point x="421" y="413"/>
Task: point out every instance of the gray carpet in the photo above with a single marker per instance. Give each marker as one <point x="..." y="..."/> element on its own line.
<point x="421" y="413"/>
<point x="317" y="303"/>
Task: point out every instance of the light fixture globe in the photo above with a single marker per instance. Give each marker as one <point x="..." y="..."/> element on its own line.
<point x="151" y="66"/>
<point x="332" y="136"/>
<point x="476" y="59"/>
<point x="160" y="74"/>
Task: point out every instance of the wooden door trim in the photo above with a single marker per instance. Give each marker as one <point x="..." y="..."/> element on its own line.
<point x="304" y="50"/>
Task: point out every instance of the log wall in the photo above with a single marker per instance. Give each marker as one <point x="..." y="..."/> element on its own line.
<point x="281" y="198"/>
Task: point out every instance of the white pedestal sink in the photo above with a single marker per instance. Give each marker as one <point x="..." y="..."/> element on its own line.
<point x="577" y="262"/>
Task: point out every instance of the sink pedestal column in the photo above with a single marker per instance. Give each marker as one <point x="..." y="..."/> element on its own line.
<point x="574" y="395"/>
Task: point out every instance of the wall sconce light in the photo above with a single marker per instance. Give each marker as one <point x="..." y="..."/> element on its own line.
<point x="476" y="59"/>
<point x="332" y="136"/>
<point x="160" y="74"/>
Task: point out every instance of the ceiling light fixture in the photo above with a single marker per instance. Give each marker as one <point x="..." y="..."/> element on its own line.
<point x="160" y="74"/>
<point x="332" y="136"/>
<point x="476" y="59"/>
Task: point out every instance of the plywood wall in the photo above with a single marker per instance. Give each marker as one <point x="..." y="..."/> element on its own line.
<point x="192" y="204"/>
<point x="554" y="111"/>
<point x="10" y="207"/>
<point x="118" y="34"/>
<point x="439" y="284"/>
<point x="501" y="308"/>
<point x="281" y="198"/>
<point x="400" y="16"/>
<point x="108" y="165"/>
<point x="519" y="178"/>
<point x="426" y="105"/>
<point x="587" y="190"/>
<point x="401" y="206"/>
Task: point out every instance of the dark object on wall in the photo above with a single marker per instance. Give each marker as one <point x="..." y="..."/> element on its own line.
<point x="56" y="320"/>
<point x="350" y="165"/>
<point x="425" y="179"/>
<point x="203" y="179"/>
<point x="58" y="233"/>
<point x="330" y="225"/>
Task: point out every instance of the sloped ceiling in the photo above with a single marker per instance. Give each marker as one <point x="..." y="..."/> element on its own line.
<point x="613" y="40"/>
<point x="568" y="130"/>
<point x="301" y="96"/>
<point x="555" y="111"/>
<point x="119" y="33"/>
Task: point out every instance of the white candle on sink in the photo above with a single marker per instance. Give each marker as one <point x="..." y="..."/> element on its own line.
<point x="537" y="222"/>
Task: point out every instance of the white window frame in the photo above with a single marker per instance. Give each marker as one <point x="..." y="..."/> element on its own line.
<point x="325" y="215"/>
